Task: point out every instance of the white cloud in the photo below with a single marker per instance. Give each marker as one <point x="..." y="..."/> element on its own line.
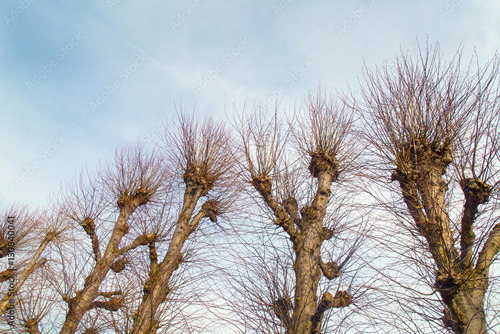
<point x="281" y="36"/>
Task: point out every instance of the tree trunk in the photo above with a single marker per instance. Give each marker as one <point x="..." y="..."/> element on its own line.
<point x="465" y="311"/>
<point x="307" y="252"/>
<point x="462" y="288"/>
<point x="156" y="287"/>
<point x="84" y="298"/>
<point x="156" y="290"/>
<point x="307" y="275"/>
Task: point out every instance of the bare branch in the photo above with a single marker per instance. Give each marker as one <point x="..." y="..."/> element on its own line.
<point x="490" y="249"/>
<point x="421" y="116"/>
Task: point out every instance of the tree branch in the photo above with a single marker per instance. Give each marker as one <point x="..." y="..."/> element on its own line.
<point x="317" y="209"/>
<point x="111" y="293"/>
<point x="281" y="308"/>
<point x="141" y="240"/>
<point x="31" y="326"/>
<point x="32" y="265"/>
<point x="490" y="249"/>
<point x="476" y="193"/>
<point x="341" y="299"/>
<point x="411" y="200"/>
<point x="113" y="304"/>
<point x="291" y="207"/>
<point x="89" y="227"/>
<point x="262" y="184"/>
<point x="153" y="258"/>
<point x="330" y="270"/>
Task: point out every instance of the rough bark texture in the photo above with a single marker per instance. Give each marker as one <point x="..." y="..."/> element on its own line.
<point x="156" y="288"/>
<point x="461" y="283"/>
<point x="84" y="299"/>
<point x="307" y="233"/>
<point x="34" y="263"/>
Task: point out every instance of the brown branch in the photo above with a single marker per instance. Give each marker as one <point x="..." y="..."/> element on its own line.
<point x="330" y="270"/>
<point x="476" y="193"/>
<point x="141" y="240"/>
<point x="326" y="174"/>
<point x="89" y="227"/>
<point x="111" y="293"/>
<point x="490" y="249"/>
<point x="31" y="326"/>
<point x="84" y="299"/>
<point x="262" y="184"/>
<point x="156" y="286"/>
<point x="411" y="200"/>
<point x="113" y="304"/>
<point x="210" y="209"/>
<point x="341" y="299"/>
<point x="35" y="263"/>
<point x="153" y="258"/>
<point x="282" y="307"/>
<point x="6" y="275"/>
<point x="291" y="207"/>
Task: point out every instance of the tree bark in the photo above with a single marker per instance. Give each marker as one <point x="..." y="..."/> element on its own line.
<point x="84" y="299"/>
<point x="156" y="288"/>
<point x="462" y="287"/>
<point x="308" y="257"/>
<point x="307" y="235"/>
<point x="465" y="310"/>
<point x="32" y="265"/>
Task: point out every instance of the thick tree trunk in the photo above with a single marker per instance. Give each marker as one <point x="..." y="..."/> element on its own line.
<point x="156" y="288"/>
<point x="307" y="252"/>
<point x="307" y="234"/>
<point x="465" y="311"/>
<point x="84" y="299"/>
<point x="307" y="276"/>
<point x="461" y="286"/>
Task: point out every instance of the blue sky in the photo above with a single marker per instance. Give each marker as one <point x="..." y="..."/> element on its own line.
<point x="80" y="79"/>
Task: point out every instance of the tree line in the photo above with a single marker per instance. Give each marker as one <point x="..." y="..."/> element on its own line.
<point x="374" y="212"/>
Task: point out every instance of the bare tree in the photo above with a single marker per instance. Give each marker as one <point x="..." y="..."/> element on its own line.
<point x="104" y="279"/>
<point x="201" y="154"/>
<point x="36" y="310"/>
<point x="103" y="207"/>
<point x="295" y="192"/>
<point x="435" y="124"/>
<point x="24" y="238"/>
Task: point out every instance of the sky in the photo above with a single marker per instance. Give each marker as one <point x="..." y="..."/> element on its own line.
<point x="79" y="79"/>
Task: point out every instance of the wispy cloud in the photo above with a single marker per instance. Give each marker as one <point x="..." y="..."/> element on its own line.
<point x="101" y="73"/>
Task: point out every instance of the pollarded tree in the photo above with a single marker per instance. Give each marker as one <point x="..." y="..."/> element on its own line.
<point x="259" y="287"/>
<point x="25" y="236"/>
<point x="102" y="209"/>
<point x="436" y="124"/>
<point x="126" y="230"/>
<point x="295" y="192"/>
<point x="201" y="154"/>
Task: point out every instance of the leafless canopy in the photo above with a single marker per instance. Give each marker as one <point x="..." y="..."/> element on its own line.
<point x="421" y="116"/>
<point x="292" y="166"/>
